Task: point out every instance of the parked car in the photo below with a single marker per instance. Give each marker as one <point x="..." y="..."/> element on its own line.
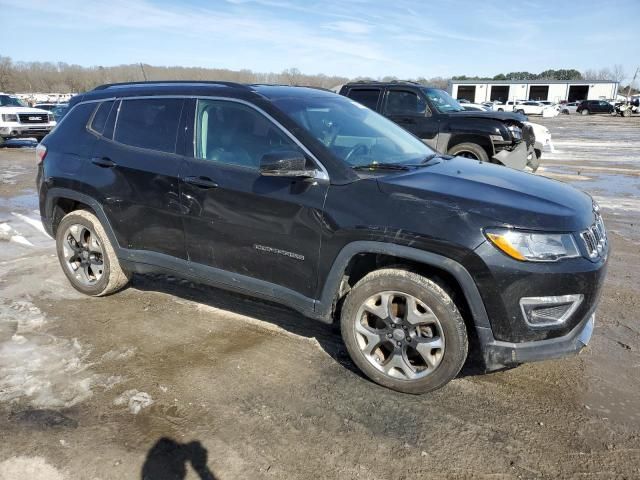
<point x="588" y="107"/>
<point x="443" y="124"/>
<point x="474" y="107"/>
<point x="528" y="107"/>
<point x="17" y="120"/>
<point x="543" y="143"/>
<point x="307" y="198"/>
<point x="569" y="107"/>
<point x="59" y="111"/>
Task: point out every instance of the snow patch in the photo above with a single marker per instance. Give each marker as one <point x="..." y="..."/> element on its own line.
<point x="35" y="223"/>
<point x="8" y="233"/>
<point x="135" y="400"/>
<point x="33" y="468"/>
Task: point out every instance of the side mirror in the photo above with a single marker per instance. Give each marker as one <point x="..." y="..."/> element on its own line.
<point x="285" y="164"/>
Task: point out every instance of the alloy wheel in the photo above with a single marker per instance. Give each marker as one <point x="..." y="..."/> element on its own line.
<point x="83" y="254"/>
<point x="399" y="335"/>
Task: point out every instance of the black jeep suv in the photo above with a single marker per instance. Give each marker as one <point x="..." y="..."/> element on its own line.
<point x="442" y="123"/>
<point x="307" y="198"/>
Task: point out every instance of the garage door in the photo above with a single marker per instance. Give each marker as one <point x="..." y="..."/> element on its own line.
<point x="467" y="92"/>
<point x="578" y="92"/>
<point x="539" y="92"/>
<point x="500" y="93"/>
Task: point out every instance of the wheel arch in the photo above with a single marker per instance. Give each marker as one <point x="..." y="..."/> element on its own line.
<point x="61" y="201"/>
<point x="358" y="258"/>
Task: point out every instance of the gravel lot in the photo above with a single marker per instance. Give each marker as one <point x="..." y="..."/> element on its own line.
<point x="173" y="380"/>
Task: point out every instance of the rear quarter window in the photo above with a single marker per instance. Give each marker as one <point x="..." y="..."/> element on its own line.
<point x="100" y="117"/>
<point x="70" y="135"/>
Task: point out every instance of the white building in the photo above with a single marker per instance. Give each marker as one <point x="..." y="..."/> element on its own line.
<point x="479" y="91"/>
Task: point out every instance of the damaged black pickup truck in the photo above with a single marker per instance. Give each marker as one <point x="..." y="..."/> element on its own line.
<point x="439" y="121"/>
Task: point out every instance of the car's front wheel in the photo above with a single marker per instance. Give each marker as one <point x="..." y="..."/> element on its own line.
<point x="404" y="331"/>
<point x="87" y="257"/>
<point x="585" y="112"/>
<point x="469" y="150"/>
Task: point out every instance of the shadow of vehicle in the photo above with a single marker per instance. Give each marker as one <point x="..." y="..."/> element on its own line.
<point x="327" y="336"/>
<point x="168" y="460"/>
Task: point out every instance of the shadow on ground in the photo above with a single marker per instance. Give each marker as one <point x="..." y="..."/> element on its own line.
<point x="169" y="460"/>
<point x="328" y="336"/>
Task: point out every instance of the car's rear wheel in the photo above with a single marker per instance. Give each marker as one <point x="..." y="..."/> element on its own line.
<point x="469" y="150"/>
<point x="404" y="331"/>
<point x="87" y="257"/>
<point x="520" y="111"/>
<point x="585" y="112"/>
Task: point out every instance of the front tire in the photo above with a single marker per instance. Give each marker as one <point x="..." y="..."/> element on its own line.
<point x="87" y="257"/>
<point x="469" y="150"/>
<point x="585" y="112"/>
<point x="404" y="331"/>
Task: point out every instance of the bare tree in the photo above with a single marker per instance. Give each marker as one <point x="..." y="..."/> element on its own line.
<point x="617" y="73"/>
<point x="6" y="73"/>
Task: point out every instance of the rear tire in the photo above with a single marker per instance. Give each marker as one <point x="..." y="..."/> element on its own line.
<point x="404" y="331"/>
<point x="520" y="111"/>
<point x="469" y="150"/>
<point x="87" y="257"/>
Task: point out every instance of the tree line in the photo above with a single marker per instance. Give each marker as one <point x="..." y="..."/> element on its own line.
<point x="60" y="77"/>
<point x="616" y="73"/>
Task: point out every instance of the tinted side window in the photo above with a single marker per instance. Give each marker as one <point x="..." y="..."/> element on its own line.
<point x="100" y="117"/>
<point x="367" y="97"/>
<point x="232" y="133"/>
<point x="403" y="102"/>
<point x="149" y="123"/>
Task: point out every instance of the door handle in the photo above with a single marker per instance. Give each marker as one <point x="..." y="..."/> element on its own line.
<point x="103" y="162"/>
<point x="202" y="182"/>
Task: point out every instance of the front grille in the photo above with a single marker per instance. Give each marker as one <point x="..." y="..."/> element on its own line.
<point x="595" y="237"/>
<point x="33" y="117"/>
<point x="528" y="136"/>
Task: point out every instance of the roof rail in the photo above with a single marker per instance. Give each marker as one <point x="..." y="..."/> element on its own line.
<point x="400" y="82"/>
<point x="171" y="82"/>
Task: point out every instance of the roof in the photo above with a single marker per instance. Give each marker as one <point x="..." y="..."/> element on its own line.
<point x="534" y="82"/>
<point x="198" y="88"/>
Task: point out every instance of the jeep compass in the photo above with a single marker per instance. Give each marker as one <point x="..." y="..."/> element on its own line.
<point x="304" y="197"/>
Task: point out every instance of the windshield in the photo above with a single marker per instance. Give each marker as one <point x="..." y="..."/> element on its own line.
<point x="354" y="133"/>
<point x="8" y="101"/>
<point x="442" y="101"/>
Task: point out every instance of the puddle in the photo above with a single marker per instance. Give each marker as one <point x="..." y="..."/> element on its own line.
<point x="26" y="201"/>
<point x="597" y="183"/>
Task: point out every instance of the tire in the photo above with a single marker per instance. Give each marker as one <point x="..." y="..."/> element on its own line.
<point x="534" y="163"/>
<point x="385" y="351"/>
<point x="626" y="113"/>
<point x="501" y="109"/>
<point x="520" y="111"/>
<point x="469" y="150"/>
<point x="98" y="272"/>
<point x="585" y="112"/>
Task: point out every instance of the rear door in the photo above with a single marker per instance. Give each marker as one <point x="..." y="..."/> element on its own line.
<point x="266" y="228"/>
<point x="410" y="110"/>
<point x="135" y="169"/>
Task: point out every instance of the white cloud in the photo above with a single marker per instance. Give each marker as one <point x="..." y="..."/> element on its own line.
<point x="348" y="27"/>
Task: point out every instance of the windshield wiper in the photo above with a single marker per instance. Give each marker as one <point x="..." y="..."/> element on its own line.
<point x="381" y="166"/>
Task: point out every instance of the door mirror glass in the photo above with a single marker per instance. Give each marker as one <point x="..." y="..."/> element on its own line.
<point x="285" y="164"/>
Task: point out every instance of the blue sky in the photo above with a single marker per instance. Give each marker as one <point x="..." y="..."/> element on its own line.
<point x="403" y="38"/>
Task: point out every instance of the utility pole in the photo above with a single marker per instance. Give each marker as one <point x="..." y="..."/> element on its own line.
<point x="144" y="75"/>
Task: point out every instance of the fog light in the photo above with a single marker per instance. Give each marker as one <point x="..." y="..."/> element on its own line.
<point x="541" y="312"/>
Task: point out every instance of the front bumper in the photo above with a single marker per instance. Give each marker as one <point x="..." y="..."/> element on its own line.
<point x="498" y="355"/>
<point x="516" y="158"/>
<point x="17" y="130"/>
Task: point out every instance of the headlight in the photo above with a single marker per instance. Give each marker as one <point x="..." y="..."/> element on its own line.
<point x="9" y="117"/>
<point x="51" y="118"/>
<point x="533" y="247"/>
<point x="516" y="131"/>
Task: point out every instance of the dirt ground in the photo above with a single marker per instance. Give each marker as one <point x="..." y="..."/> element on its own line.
<point x="168" y="379"/>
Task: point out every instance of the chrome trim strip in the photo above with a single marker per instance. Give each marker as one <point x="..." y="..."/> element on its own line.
<point x="576" y="300"/>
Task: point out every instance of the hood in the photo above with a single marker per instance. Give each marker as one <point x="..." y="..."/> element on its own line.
<point x="501" y="116"/>
<point x="502" y="195"/>
<point x="35" y="111"/>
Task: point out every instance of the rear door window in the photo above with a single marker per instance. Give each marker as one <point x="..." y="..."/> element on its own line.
<point x="149" y="123"/>
<point x="366" y="96"/>
<point x="404" y="102"/>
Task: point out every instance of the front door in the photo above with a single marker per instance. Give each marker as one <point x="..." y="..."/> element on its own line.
<point x="266" y="228"/>
<point x="411" y="112"/>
